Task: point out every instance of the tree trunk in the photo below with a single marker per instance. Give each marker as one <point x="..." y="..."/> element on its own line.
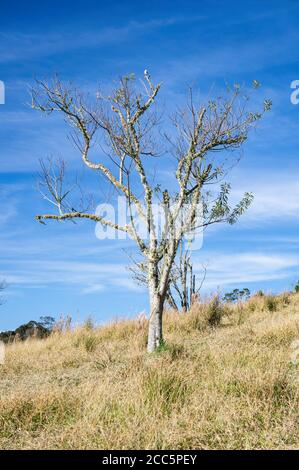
<point x="155" y="333"/>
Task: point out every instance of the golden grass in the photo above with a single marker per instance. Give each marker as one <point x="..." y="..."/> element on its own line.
<point x="212" y="386"/>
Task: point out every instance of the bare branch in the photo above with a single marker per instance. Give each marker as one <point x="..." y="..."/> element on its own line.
<point x="80" y="215"/>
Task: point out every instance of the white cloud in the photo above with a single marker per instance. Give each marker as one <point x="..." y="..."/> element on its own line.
<point x="276" y="195"/>
<point x="246" y="267"/>
<point x="93" y="289"/>
<point x="90" y="277"/>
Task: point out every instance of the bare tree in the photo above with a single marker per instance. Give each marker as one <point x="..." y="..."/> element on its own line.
<point x="183" y="280"/>
<point x="130" y="129"/>
<point x="183" y="289"/>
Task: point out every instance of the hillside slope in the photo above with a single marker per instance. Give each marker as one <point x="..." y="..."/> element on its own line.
<point x="213" y="386"/>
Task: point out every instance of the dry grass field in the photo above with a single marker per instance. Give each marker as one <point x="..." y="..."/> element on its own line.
<point x="223" y="380"/>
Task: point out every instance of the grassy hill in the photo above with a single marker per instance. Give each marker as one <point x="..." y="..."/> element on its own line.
<point x="224" y="380"/>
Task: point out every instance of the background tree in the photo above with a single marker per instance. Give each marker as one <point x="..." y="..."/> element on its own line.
<point x="131" y="138"/>
<point x="236" y="295"/>
<point x="183" y="285"/>
<point x="47" y="322"/>
<point x="183" y="280"/>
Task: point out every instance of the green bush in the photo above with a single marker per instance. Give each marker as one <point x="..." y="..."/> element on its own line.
<point x="215" y="312"/>
<point x="88" y="340"/>
<point x="271" y="303"/>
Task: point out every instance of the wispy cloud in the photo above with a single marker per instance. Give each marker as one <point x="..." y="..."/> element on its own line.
<point x="8" y="203"/>
<point x="89" y="277"/>
<point x="231" y="59"/>
<point x="249" y="267"/>
<point x="276" y="196"/>
<point x="16" y="46"/>
<point x="93" y="289"/>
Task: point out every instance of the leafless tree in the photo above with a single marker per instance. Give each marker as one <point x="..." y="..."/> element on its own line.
<point x="131" y="134"/>
<point x="183" y="280"/>
<point x="183" y="285"/>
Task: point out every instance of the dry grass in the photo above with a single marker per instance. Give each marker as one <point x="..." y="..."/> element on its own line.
<point x="223" y="380"/>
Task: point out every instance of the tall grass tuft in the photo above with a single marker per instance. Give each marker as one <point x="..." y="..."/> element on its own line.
<point x="271" y="302"/>
<point x="215" y="311"/>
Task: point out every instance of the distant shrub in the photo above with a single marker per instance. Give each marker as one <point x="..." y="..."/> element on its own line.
<point x="88" y="340"/>
<point x="271" y="303"/>
<point x="296" y="288"/>
<point x="206" y="314"/>
<point x="215" y="311"/>
<point x="260" y="293"/>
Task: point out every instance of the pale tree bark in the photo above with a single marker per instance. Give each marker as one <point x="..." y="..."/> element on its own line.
<point x="183" y="280"/>
<point x="184" y="285"/>
<point x="131" y="136"/>
<point x="155" y="333"/>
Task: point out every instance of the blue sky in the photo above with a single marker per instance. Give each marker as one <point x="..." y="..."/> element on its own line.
<point x="65" y="269"/>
